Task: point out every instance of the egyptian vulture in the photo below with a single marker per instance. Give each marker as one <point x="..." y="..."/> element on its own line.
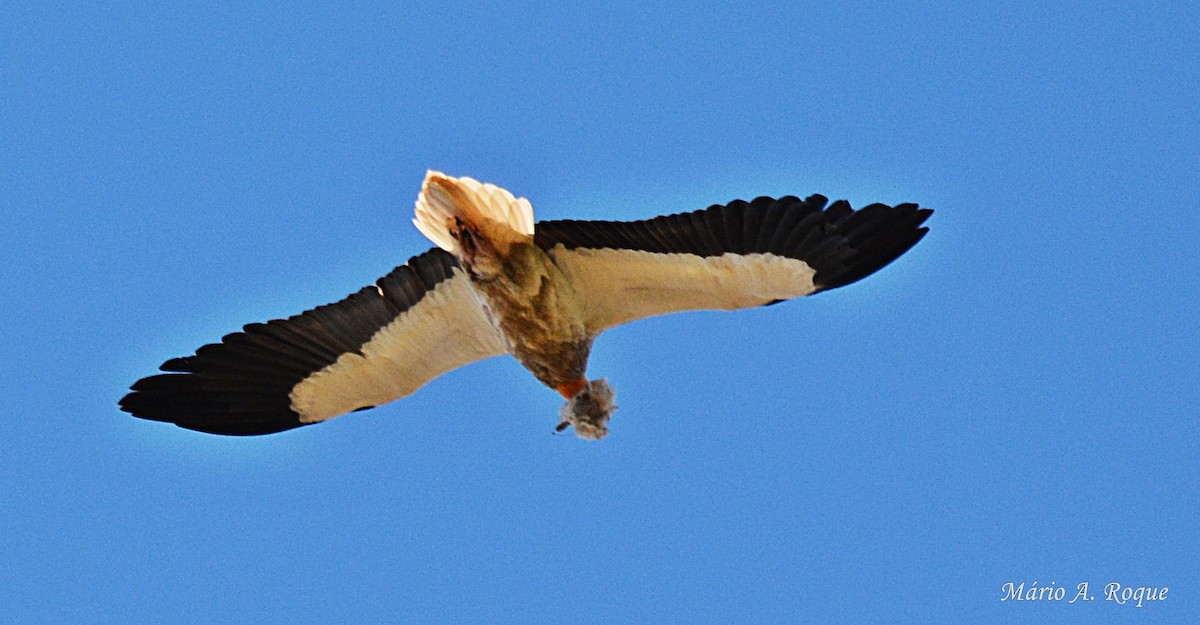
<point x="497" y="283"/>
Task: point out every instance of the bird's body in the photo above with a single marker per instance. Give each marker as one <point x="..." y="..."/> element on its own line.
<point x="538" y="312"/>
<point x="541" y="318"/>
<point x="524" y="293"/>
<point x="501" y="284"/>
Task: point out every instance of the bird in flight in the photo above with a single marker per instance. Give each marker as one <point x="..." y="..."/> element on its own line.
<point x="498" y="283"/>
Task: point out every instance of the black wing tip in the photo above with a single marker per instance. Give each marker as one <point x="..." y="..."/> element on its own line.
<point x="866" y="241"/>
<point x="166" y="399"/>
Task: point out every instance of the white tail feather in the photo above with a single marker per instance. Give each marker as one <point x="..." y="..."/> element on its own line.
<point x="436" y="208"/>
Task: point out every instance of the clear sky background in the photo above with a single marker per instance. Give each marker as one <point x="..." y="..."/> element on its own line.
<point x="1015" y="400"/>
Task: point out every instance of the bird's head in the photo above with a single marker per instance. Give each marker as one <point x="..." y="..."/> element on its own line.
<point x="589" y="410"/>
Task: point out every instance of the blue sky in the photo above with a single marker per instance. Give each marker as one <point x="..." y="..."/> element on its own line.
<point x="1012" y="401"/>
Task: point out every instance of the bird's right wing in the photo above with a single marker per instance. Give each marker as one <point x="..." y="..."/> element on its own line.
<point x="381" y="343"/>
<point x="740" y="255"/>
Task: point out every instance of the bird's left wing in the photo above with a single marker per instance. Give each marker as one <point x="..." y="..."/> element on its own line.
<point x="739" y="255"/>
<point x="377" y="345"/>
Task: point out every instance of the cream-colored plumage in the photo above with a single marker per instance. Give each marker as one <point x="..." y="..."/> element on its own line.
<point x="447" y="329"/>
<point x="620" y="286"/>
